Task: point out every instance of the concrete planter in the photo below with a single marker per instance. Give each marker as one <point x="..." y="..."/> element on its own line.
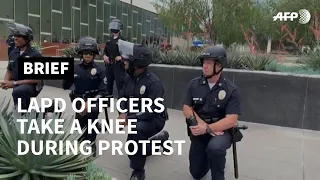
<point x="269" y="98"/>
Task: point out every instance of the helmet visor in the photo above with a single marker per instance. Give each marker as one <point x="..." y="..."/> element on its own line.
<point x="114" y="25"/>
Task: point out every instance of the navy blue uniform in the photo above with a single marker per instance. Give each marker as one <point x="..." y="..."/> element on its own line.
<point x="89" y="82"/>
<point x="115" y="69"/>
<point x="206" y="151"/>
<point x="145" y="85"/>
<point x="24" y="91"/>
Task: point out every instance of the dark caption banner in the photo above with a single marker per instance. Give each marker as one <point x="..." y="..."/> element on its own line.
<point x="45" y="68"/>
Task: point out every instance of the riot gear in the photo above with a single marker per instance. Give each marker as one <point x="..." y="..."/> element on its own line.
<point x="216" y="53"/>
<point x="17" y="29"/>
<point x="115" y="26"/>
<point x="88" y="44"/>
<point x="138" y="55"/>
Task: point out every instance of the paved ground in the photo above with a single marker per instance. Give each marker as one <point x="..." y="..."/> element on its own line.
<point x="266" y="153"/>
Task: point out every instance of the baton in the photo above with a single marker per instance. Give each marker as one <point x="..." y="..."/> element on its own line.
<point x="234" y="150"/>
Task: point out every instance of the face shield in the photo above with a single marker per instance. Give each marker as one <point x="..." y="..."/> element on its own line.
<point x="114" y="26"/>
<point x="126" y="51"/>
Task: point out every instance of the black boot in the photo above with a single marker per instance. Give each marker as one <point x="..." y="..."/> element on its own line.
<point x="138" y="175"/>
<point x="162" y="136"/>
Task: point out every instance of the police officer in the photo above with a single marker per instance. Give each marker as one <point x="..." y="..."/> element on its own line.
<point x="24" y="89"/>
<point x="112" y="57"/>
<point x="213" y="102"/>
<point x="89" y="81"/>
<point x="140" y="83"/>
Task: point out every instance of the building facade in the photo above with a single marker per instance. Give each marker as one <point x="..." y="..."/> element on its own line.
<point x="66" y="21"/>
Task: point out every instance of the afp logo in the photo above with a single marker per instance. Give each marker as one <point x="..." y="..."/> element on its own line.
<point x="304" y="14"/>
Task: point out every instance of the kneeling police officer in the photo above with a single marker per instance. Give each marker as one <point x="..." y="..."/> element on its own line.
<point x="213" y="103"/>
<point x="140" y="83"/>
<point x="22" y="88"/>
<point x="89" y="81"/>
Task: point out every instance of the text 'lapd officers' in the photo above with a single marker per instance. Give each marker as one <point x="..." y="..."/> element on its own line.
<point x="89" y="81"/>
<point x="22" y="88"/>
<point x="212" y="102"/>
<point x="140" y="83"/>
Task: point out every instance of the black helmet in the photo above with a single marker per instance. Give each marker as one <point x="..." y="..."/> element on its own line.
<point x="139" y="56"/>
<point x="217" y="53"/>
<point x="115" y="25"/>
<point x="87" y="43"/>
<point x="17" y="29"/>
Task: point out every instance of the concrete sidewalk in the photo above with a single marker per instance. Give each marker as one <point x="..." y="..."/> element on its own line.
<point x="266" y="152"/>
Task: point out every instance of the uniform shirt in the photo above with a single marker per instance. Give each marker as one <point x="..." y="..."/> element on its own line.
<point x="89" y="79"/>
<point x="13" y="59"/>
<point x="145" y="85"/>
<point x="216" y="102"/>
<point x="111" y="48"/>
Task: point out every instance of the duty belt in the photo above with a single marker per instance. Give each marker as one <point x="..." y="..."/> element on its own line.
<point x="210" y="120"/>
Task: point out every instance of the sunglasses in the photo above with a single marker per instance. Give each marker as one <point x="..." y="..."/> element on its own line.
<point x="87" y="53"/>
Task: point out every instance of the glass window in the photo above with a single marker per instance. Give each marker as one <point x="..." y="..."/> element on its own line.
<point x="139" y="33"/>
<point x="144" y="23"/>
<point x="6" y="9"/>
<point x="45" y="37"/>
<point x="125" y="8"/>
<point x="124" y="21"/>
<point x="92" y="21"/>
<point x="56" y="29"/>
<point x="100" y="9"/>
<point x="66" y="13"/>
<point x="34" y="6"/>
<point x="135" y="25"/>
<point x="155" y="28"/>
<point x="130" y="16"/>
<point x="66" y="36"/>
<point x="77" y="3"/>
<point x="94" y="2"/>
<point x="99" y="31"/>
<point x="56" y="5"/>
<point x="84" y="30"/>
<point x="152" y="20"/>
<point x="84" y="11"/>
<point x="129" y="34"/>
<point x="45" y="16"/>
<point x="76" y="25"/>
<point x="106" y="15"/>
<point x="21" y="11"/>
<point x="139" y="15"/>
<point x="113" y="8"/>
<point x="3" y="29"/>
<point x="34" y="24"/>
<point x="119" y="10"/>
<point x="147" y="15"/>
<point x="148" y="31"/>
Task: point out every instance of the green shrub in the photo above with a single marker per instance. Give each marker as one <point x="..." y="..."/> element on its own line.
<point x="30" y="166"/>
<point x="312" y="60"/>
<point x="257" y="62"/>
<point x="235" y="59"/>
<point x="94" y="172"/>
